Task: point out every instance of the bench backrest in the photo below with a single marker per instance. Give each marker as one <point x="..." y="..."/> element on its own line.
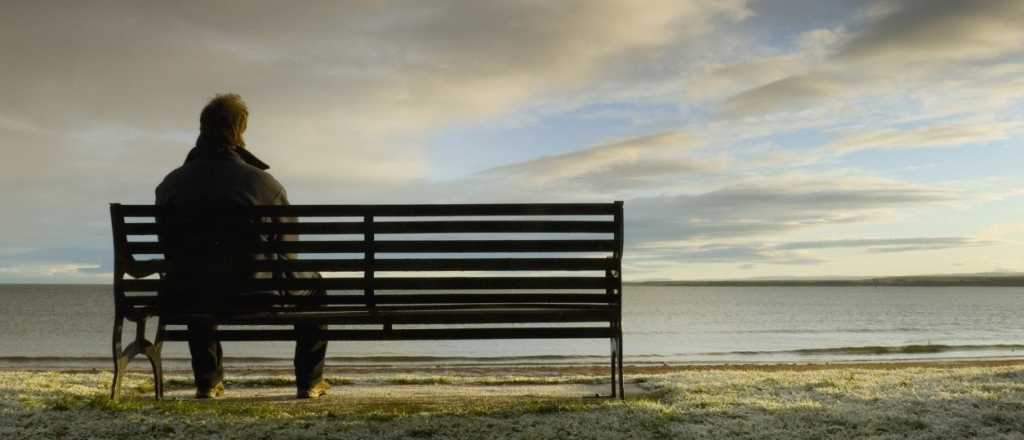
<point x="379" y="255"/>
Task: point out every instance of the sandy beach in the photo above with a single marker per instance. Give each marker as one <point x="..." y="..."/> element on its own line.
<point x="941" y="399"/>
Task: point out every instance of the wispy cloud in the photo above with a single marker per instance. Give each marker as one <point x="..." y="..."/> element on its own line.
<point x="886" y="244"/>
<point x="769" y="208"/>
<point x="614" y="163"/>
<point x="796" y="253"/>
<point x="903" y="44"/>
<point x="937" y="31"/>
<point x="794" y="91"/>
<point x="56" y="264"/>
<point x="936" y="135"/>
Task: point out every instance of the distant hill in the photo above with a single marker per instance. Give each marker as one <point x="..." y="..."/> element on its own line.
<point x="982" y="279"/>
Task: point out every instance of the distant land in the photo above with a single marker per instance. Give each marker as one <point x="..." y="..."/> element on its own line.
<point x="1006" y="279"/>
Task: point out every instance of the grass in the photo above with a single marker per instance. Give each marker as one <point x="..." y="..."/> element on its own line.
<point x="915" y="403"/>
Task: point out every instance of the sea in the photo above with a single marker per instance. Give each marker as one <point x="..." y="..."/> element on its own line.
<point x="70" y="326"/>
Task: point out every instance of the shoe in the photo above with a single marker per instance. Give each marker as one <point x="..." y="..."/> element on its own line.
<point x="210" y="393"/>
<point x="315" y="391"/>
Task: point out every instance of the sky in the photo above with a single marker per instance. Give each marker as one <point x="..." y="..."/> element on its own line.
<point x="748" y="139"/>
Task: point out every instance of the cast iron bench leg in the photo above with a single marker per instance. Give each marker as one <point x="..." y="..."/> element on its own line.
<point x="152" y="352"/>
<point x="619" y="356"/>
<point x="139" y="346"/>
<point x="119" y="362"/>
<point x="614" y="365"/>
<point x="618" y="381"/>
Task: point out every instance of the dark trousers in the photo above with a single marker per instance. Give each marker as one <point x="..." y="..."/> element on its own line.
<point x="208" y="356"/>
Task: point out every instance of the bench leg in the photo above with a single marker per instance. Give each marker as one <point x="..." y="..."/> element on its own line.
<point x="139" y="346"/>
<point x="152" y="352"/>
<point x="614" y="366"/>
<point x="119" y="362"/>
<point x="619" y="356"/>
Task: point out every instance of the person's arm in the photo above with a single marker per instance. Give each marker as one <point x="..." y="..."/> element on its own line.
<point x="134" y="273"/>
<point x="282" y="200"/>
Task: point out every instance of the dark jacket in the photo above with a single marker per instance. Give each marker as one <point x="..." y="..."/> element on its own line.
<point x="221" y="174"/>
<point x="224" y="176"/>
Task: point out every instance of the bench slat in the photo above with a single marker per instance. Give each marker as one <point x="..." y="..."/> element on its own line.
<point x="485" y="246"/>
<point x="407" y="334"/>
<point x="494" y="226"/>
<point x="467" y="299"/>
<point x="411" y="246"/>
<point x="365" y="317"/>
<point x="402" y="210"/>
<point x="403" y="227"/>
<point x="318" y="246"/>
<point x="153" y="309"/>
<point x="407" y="265"/>
<point x="432" y="283"/>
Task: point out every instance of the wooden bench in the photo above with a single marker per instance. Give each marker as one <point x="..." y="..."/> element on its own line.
<point x="394" y="272"/>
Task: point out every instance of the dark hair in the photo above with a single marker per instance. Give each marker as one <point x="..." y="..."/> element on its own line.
<point x="223" y="121"/>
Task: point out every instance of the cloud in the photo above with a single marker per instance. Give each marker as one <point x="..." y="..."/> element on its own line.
<point x="614" y="164"/>
<point x="748" y="223"/>
<point x="796" y="194"/>
<point x="718" y="254"/>
<point x="648" y="173"/>
<point x="886" y="244"/>
<point x="718" y="80"/>
<point x="53" y="273"/>
<point x="748" y="85"/>
<point x="1004" y="232"/>
<point x="338" y="90"/>
<point x="795" y="253"/>
<point x="794" y="91"/>
<point x="900" y="46"/>
<point x="774" y="207"/>
<point x="935" y="135"/>
<point x="939" y="31"/>
<point x="57" y="264"/>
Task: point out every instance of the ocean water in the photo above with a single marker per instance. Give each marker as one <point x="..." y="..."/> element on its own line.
<point x="71" y="325"/>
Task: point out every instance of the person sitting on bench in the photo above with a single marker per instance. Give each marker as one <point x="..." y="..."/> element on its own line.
<point x="221" y="172"/>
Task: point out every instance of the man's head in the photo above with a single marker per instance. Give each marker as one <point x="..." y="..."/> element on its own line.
<point x="223" y="120"/>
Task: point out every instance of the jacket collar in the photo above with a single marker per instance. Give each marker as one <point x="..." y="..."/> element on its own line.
<point x="225" y="152"/>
